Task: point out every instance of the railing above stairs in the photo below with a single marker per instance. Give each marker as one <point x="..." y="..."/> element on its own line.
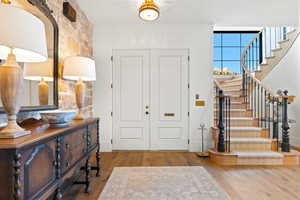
<point x="263" y="46"/>
<point x="269" y="109"/>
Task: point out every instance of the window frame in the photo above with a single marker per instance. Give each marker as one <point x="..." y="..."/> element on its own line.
<point x="241" y="47"/>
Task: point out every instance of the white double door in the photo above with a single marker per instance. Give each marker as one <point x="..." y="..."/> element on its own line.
<point x="150" y="99"/>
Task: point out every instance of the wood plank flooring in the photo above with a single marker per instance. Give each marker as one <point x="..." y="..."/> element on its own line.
<point x="241" y="183"/>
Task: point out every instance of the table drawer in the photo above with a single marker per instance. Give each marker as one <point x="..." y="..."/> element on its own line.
<point x="74" y="147"/>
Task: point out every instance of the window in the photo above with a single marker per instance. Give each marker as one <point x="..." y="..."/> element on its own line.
<point x="229" y="46"/>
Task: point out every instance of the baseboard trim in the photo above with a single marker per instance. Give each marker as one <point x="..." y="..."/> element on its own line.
<point x="105" y="146"/>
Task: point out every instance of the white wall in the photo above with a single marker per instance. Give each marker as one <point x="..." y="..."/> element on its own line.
<point x="286" y="75"/>
<point x="197" y="38"/>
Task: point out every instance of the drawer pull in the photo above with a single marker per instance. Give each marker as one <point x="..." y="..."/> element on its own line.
<point x="67" y="146"/>
<point x="67" y="164"/>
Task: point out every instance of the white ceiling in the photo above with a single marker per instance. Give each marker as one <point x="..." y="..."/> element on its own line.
<point x="219" y="12"/>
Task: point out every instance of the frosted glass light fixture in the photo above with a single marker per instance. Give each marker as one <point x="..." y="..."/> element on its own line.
<point x="149" y="11"/>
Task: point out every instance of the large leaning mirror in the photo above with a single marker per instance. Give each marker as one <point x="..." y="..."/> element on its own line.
<point x="40" y="79"/>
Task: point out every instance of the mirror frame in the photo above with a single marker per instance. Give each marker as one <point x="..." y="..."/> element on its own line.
<point x="44" y="8"/>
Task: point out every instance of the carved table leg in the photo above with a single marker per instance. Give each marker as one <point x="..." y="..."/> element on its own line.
<point x="98" y="159"/>
<point x="17" y="172"/>
<point x="58" y="195"/>
<point x="87" y="175"/>
<point x="98" y="155"/>
<point x="86" y="182"/>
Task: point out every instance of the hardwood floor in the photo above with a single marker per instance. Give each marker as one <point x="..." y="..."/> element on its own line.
<point x="241" y="183"/>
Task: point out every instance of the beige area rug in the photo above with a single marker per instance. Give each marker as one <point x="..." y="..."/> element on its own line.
<point x="162" y="183"/>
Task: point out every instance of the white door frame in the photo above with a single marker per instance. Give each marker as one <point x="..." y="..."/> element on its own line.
<point x="189" y="88"/>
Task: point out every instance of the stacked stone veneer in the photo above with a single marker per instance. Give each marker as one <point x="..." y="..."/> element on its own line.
<point x="75" y="38"/>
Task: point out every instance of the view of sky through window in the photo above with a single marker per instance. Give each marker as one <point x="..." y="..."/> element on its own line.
<point x="228" y="48"/>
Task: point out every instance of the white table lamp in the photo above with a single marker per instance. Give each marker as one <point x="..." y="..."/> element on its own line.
<point x="42" y="72"/>
<point x="79" y="69"/>
<point x="22" y="39"/>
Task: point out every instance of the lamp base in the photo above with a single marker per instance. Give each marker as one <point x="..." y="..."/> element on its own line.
<point x="78" y="116"/>
<point x="79" y="93"/>
<point x="12" y="131"/>
<point x="43" y="93"/>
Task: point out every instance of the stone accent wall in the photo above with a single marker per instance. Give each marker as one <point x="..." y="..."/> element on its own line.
<point x="75" y="38"/>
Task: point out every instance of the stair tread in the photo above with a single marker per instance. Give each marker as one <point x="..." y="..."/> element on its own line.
<point x="270" y="57"/>
<point x="232" y="90"/>
<point x="250" y="139"/>
<point x="292" y="31"/>
<point x="233" y="80"/>
<point x="283" y="41"/>
<point x="235" y="102"/>
<point x="241" y="118"/>
<point x="240" y="110"/>
<point x="277" y="49"/>
<point x="245" y="128"/>
<point x="261" y="154"/>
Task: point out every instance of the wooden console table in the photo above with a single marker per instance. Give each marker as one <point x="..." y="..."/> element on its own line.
<point x="43" y="164"/>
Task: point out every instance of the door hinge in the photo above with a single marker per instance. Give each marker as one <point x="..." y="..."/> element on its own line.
<point x="189" y="58"/>
<point x="111" y="141"/>
<point x="111" y="113"/>
<point x="111" y="86"/>
<point x="188" y="114"/>
<point x="111" y="58"/>
<point x="189" y="86"/>
<point x="188" y="141"/>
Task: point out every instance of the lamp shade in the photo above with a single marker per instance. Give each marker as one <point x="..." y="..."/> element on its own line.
<point x="77" y="67"/>
<point x="24" y="33"/>
<point x="37" y="71"/>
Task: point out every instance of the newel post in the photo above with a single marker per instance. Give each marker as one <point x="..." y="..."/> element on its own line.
<point x="221" y="141"/>
<point x="285" y="146"/>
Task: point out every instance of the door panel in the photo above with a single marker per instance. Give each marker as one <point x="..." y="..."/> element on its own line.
<point x="169" y="88"/>
<point x="169" y="99"/>
<point x="131" y="94"/>
<point x="150" y="113"/>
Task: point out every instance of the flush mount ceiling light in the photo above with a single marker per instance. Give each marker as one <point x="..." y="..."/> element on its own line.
<point x="6" y="1"/>
<point x="149" y="11"/>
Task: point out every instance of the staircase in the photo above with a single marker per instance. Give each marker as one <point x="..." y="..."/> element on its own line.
<point x="248" y="117"/>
